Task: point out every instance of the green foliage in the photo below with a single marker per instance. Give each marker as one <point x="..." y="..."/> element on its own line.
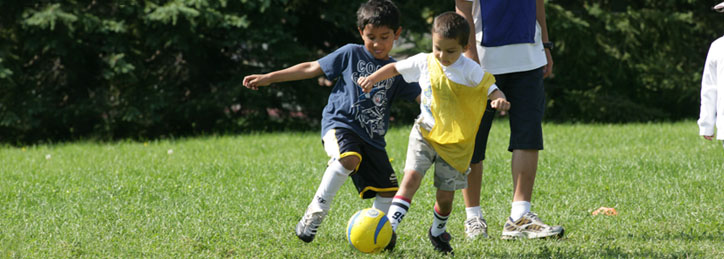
<point x="147" y="69"/>
<point x="619" y="61"/>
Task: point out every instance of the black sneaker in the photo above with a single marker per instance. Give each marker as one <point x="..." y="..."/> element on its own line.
<point x="393" y="240"/>
<point x="441" y="242"/>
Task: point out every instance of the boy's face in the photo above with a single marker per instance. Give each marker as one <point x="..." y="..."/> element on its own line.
<point x="379" y="40"/>
<point x="446" y="50"/>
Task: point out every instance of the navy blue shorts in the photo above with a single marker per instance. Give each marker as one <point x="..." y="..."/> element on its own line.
<point x="525" y="92"/>
<point x="374" y="174"/>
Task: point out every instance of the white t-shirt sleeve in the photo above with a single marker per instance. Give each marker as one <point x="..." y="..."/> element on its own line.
<point x="492" y="88"/>
<point x="475" y="75"/>
<point x="412" y="67"/>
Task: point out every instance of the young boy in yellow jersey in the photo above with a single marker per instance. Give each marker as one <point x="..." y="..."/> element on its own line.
<point x="453" y="88"/>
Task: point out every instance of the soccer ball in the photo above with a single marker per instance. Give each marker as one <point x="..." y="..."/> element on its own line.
<point x="369" y="231"/>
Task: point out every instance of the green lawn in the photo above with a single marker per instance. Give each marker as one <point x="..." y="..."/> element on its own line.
<point x="241" y="196"/>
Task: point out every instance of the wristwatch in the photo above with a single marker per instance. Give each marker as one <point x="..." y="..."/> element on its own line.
<point x="548" y="45"/>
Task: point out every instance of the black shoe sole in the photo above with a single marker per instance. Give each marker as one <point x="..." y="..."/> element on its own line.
<point x="306" y="239"/>
<point x="393" y="241"/>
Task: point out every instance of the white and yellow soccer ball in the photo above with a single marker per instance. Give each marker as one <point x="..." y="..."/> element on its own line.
<point x="369" y="231"/>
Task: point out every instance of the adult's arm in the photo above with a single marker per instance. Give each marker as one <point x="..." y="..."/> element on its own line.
<point x="465" y="8"/>
<point x="540" y="15"/>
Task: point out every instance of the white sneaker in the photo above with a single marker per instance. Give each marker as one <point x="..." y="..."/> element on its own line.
<point x="530" y="226"/>
<point x="475" y="227"/>
<point x="307" y="227"/>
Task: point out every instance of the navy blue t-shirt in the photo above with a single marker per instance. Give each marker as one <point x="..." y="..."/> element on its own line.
<point x="367" y="114"/>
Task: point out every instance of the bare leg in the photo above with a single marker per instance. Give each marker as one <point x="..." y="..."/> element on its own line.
<point x="524" y="167"/>
<point x="349" y="162"/>
<point x="403" y="197"/>
<point x="410" y="184"/>
<point x="443" y="207"/>
<point x="444" y="201"/>
<point x="471" y="195"/>
<point x="387" y="194"/>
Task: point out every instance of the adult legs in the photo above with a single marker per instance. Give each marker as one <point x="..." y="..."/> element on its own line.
<point x="524" y="165"/>
<point x="475" y="224"/>
<point x="525" y="142"/>
<point x="471" y="195"/>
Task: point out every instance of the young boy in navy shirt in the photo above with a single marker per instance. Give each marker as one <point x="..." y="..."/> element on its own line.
<point x="354" y="123"/>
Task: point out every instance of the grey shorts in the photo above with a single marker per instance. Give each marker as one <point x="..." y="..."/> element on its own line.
<point x="421" y="156"/>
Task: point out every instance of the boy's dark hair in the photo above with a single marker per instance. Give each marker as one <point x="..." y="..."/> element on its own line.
<point x="451" y="25"/>
<point x="378" y="13"/>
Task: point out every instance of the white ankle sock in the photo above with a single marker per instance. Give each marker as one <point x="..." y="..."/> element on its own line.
<point x="518" y="209"/>
<point x="474" y="212"/>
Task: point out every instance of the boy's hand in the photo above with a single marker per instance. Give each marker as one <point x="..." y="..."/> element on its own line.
<point x="366" y="84"/>
<point x="323" y="81"/>
<point x="255" y="81"/>
<point x="709" y="137"/>
<point x="500" y="104"/>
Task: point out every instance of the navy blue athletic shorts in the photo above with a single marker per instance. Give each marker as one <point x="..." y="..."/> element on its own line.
<point x="374" y="174"/>
<point x="525" y="92"/>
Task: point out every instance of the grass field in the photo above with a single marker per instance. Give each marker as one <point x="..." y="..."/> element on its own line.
<point x="241" y="196"/>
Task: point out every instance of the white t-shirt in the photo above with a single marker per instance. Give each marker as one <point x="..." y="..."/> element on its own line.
<point x="464" y="71"/>
<point x="712" y="92"/>
<point x="508" y="58"/>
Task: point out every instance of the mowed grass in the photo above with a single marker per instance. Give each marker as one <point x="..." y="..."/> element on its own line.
<point x="241" y="196"/>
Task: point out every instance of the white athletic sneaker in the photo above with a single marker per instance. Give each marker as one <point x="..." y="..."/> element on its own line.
<point x="307" y="227"/>
<point x="476" y="227"/>
<point x="530" y="226"/>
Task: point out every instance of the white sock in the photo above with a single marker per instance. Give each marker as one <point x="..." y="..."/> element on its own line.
<point x="333" y="178"/>
<point x="382" y="203"/>
<point x="474" y="212"/>
<point x="438" y="223"/>
<point x="518" y="209"/>
<point x="397" y="211"/>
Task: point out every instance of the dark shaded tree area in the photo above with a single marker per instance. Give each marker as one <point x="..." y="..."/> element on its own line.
<point x="626" y="61"/>
<point x="148" y="69"/>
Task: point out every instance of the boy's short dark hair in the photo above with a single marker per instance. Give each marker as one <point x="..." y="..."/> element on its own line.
<point x="451" y="25"/>
<point x="378" y="13"/>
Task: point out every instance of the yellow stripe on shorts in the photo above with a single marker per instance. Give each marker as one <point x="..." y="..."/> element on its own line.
<point x="378" y="190"/>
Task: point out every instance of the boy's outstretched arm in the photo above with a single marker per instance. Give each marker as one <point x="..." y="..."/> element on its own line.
<point x="498" y="101"/>
<point x="387" y="71"/>
<point x="299" y="71"/>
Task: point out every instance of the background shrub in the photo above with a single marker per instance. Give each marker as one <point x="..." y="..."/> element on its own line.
<point x="148" y="69"/>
